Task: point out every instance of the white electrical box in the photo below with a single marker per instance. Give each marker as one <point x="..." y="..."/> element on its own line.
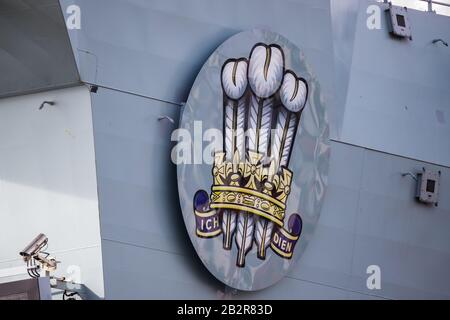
<point x="398" y="21"/>
<point x="428" y="186"/>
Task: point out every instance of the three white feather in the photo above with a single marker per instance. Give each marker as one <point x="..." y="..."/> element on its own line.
<point x="265" y="74"/>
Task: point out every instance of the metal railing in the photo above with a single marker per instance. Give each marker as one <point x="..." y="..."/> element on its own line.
<point x="430" y="3"/>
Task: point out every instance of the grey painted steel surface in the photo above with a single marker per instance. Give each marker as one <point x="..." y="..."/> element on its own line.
<point x="48" y="184"/>
<point x="175" y="276"/>
<point x="136" y="179"/>
<point x="358" y="77"/>
<point x="369" y="216"/>
<point x="35" y="51"/>
<point x="398" y="99"/>
<point x="156" y="48"/>
<point x="343" y="23"/>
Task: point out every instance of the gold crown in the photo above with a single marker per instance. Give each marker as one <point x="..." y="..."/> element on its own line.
<point x="250" y="186"/>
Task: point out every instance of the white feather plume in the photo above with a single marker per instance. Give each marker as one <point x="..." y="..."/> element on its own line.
<point x="293" y="95"/>
<point x="259" y="116"/>
<point x="266" y="68"/>
<point x="234" y="78"/>
<point x="283" y="137"/>
<point x="293" y="92"/>
<point x="240" y="127"/>
<point x="259" y="125"/>
<point x="263" y="234"/>
<point x="265" y="71"/>
<point x="228" y="227"/>
<point x="235" y="127"/>
<point x="234" y="83"/>
<point x="244" y="236"/>
<point x="234" y="140"/>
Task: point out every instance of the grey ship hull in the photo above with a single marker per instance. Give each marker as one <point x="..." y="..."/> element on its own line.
<point x="95" y="174"/>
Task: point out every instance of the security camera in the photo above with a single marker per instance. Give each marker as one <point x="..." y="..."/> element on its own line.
<point x="34" y="247"/>
<point x="34" y="253"/>
<point x="39" y="262"/>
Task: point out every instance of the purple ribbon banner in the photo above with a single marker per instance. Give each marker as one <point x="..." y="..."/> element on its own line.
<point x="207" y="224"/>
<point x="283" y="241"/>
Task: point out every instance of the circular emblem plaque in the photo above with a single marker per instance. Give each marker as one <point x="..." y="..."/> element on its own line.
<point x="252" y="159"/>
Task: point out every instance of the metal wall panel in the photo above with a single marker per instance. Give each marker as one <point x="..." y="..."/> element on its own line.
<point x="156" y="48"/>
<point x="369" y="217"/>
<point x="136" y="178"/>
<point x="35" y="50"/>
<point x="344" y="15"/>
<point x="328" y="258"/>
<point x="48" y="182"/>
<point x="408" y="240"/>
<point x="174" y="276"/>
<point x="398" y="97"/>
